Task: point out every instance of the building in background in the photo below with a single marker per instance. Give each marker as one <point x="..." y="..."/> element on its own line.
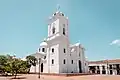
<point x="111" y="67"/>
<point x="60" y="55"/>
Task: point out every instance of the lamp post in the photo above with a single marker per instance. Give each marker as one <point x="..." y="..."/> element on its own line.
<point x="107" y="67"/>
<point x="39" y="67"/>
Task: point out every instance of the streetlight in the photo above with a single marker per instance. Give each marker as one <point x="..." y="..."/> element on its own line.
<point x="39" y="67"/>
<point x="39" y="57"/>
<point x="107" y="67"/>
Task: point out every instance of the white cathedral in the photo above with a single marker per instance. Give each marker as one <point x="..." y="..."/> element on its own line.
<point x="56" y="53"/>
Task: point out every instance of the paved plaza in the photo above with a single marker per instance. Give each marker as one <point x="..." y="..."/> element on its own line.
<point x="85" y="77"/>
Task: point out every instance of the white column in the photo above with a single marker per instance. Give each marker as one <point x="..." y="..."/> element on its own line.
<point x="100" y="69"/>
<point x="96" y="69"/>
<point x="113" y="72"/>
<point x="106" y="69"/>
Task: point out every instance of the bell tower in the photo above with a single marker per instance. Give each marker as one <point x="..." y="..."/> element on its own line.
<point x="58" y="23"/>
<point x="58" y="41"/>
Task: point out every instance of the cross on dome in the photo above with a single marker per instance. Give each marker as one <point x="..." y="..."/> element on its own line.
<point x="58" y="7"/>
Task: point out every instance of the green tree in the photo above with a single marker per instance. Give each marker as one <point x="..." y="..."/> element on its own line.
<point x="31" y="61"/>
<point x="16" y="66"/>
<point x="6" y="61"/>
<point x="24" y="68"/>
<point x="3" y="60"/>
<point x="13" y="65"/>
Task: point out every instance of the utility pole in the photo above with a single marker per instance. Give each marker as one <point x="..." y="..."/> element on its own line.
<point x="39" y="67"/>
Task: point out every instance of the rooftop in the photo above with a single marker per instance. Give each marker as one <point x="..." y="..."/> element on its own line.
<point x="105" y="61"/>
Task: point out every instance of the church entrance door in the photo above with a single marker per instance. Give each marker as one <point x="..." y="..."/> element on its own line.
<point x="42" y="67"/>
<point x="79" y="63"/>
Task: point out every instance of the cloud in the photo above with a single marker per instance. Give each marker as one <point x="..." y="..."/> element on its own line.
<point x="115" y="42"/>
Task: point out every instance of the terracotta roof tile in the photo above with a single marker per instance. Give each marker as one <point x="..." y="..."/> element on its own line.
<point x="105" y="61"/>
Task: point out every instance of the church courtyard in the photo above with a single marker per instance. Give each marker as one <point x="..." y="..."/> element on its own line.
<point x="85" y="77"/>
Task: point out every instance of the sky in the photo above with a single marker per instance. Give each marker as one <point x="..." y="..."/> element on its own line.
<point x="93" y="23"/>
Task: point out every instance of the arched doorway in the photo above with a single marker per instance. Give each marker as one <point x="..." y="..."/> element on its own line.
<point x="79" y="64"/>
<point x="42" y="67"/>
<point x="103" y="72"/>
<point x="111" y="72"/>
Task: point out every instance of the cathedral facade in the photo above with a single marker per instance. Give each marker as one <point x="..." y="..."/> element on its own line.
<point x="59" y="55"/>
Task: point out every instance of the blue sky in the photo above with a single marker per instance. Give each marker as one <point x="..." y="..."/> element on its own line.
<point x="95" y="23"/>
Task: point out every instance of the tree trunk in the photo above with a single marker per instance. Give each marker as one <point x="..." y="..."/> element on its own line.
<point x="29" y="71"/>
<point x="12" y="73"/>
<point x="15" y="74"/>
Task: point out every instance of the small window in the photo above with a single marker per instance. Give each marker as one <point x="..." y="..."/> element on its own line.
<point x="53" y="30"/>
<point x="97" y="67"/>
<point x="64" y="61"/>
<point x="44" y="57"/>
<point x="64" y="31"/>
<point x="70" y="54"/>
<point x="64" y="50"/>
<point x="52" y="49"/>
<point x="62" y="14"/>
<point x="54" y="14"/>
<point x="103" y="67"/>
<point x="110" y="66"/>
<point x="72" y="62"/>
<point x="43" y="49"/>
<point x="52" y="61"/>
<point x="39" y="49"/>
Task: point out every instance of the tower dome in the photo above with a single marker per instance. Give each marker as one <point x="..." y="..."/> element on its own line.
<point x="43" y="43"/>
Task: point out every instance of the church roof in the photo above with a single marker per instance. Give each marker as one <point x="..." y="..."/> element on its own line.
<point x="43" y="43"/>
<point x="77" y="44"/>
<point x="105" y="61"/>
<point x="39" y="55"/>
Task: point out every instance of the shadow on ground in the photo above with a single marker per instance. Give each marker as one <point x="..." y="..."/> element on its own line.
<point x="18" y="78"/>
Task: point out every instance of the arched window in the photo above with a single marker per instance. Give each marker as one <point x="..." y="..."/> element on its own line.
<point x="54" y="14"/>
<point x="72" y="62"/>
<point x="62" y="14"/>
<point x="52" y="61"/>
<point x="53" y="30"/>
<point x="43" y="49"/>
<point x="53" y="50"/>
<point x="64" y="50"/>
<point x="64" y="61"/>
<point x="64" y="31"/>
<point x="44" y="57"/>
<point x="39" y="49"/>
